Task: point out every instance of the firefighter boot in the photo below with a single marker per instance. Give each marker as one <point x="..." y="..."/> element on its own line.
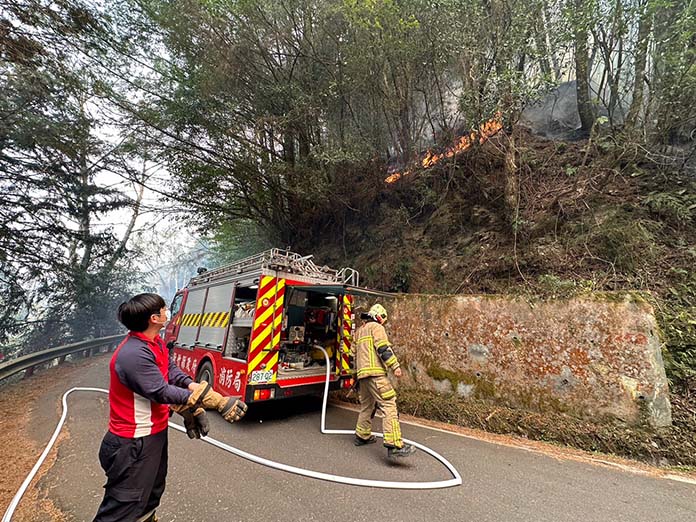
<point x="359" y="441"/>
<point x="404" y="451"/>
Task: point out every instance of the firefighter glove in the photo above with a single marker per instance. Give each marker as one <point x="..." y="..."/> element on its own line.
<point x="233" y="410"/>
<point x="201" y="420"/>
<point x="195" y="421"/>
<point x="204" y="396"/>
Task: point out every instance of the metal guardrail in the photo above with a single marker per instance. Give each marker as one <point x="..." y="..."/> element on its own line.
<point x="29" y="362"/>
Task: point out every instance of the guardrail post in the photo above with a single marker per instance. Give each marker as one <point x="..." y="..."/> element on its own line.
<point x="29" y="372"/>
<point x="62" y="359"/>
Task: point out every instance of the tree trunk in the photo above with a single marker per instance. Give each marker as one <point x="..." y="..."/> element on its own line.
<point x="303" y="137"/>
<point x="289" y="147"/>
<point x="546" y="17"/>
<point x="510" y="189"/>
<point x="85" y="216"/>
<point x="118" y="253"/>
<point x="405" y="131"/>
<point x="542" y="46"/>
<point x="644" y="27"/>
<point x="615" y="70"/>
<point x="582" y="73"/>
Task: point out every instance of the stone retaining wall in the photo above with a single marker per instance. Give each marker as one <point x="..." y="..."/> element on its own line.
<point x="590" y="356"/>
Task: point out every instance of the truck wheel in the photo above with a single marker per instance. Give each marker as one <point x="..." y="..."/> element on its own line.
<point x="205" y="373"/>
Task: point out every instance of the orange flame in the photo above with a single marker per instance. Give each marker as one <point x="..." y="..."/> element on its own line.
<point x="486" y="130"/>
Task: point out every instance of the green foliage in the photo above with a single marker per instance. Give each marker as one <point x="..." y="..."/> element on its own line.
<point x="553" y="286"/>
<point x="676" y="312"/>
<point x="278" y="121"/>
<point x="63" y="271"/>
<point x="401" y="279"/>
<point x="623" y="239"/>
<point x="675" y="89"/>
<point x="676" y="208"/>
<point x="236" y="240"/>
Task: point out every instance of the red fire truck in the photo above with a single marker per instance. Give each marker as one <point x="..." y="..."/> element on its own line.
<point x="252" y="329"/>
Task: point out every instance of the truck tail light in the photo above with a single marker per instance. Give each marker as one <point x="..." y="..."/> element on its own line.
<point x="264" y="394"/>
<point x="347" y="383"/>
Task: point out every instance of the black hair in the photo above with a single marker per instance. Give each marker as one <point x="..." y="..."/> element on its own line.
<point x="135" y="314"/>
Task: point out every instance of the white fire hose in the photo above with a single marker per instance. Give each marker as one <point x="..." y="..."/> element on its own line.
<point x="455" y="481"/>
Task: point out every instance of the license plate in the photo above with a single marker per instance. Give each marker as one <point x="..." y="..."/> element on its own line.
<point x="259" y="377"/>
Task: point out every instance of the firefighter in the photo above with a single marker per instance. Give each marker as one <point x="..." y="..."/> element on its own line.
<point x="373" y="355"/>
<point x="144" y="381"/>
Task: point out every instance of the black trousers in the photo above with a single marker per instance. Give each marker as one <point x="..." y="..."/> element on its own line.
<point x="136" y="470"/>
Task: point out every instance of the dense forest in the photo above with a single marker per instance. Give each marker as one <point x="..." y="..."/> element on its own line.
<point x="544" y="147"/>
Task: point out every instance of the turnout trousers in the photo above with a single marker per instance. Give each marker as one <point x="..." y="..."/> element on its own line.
<point x="136" y="470"/>
<point x="378" y="393"/>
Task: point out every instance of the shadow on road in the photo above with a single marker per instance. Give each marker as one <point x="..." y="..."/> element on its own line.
<point x="283" y="409"/>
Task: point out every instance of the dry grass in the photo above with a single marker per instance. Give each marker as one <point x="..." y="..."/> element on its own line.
<point x="19" y="451"/>
<point x="667" y="447"/>
<point x="672" y="448"/>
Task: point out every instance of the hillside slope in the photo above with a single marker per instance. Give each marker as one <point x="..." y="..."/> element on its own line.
<point x="590" y="215"/>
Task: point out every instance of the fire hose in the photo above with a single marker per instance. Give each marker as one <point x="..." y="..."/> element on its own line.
<point x="455" y="481"/>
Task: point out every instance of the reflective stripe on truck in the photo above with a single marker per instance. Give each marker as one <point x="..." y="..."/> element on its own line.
<point x="265" y="337"/>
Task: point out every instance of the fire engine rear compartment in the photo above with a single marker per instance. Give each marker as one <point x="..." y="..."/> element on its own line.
<point x="310" y="320"/>
<point x="264" y="319"/>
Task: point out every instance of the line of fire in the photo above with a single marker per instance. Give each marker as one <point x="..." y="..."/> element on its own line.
<point x="486" y="130"/>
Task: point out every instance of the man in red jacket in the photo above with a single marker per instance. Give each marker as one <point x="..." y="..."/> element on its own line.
<point x="144" y="382"/>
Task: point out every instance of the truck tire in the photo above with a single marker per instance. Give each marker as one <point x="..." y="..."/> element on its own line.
<point x="205" y="373"/>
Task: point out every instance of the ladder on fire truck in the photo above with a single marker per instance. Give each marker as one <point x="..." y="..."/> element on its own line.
<point x="283" y="261"/>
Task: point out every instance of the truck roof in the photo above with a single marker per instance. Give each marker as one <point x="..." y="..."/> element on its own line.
<point x="279" y="260"/>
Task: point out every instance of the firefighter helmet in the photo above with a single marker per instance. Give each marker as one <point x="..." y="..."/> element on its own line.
<point x="378" y="313"/>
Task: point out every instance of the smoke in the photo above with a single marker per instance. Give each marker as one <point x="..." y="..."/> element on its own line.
<point x="556" y="115"/>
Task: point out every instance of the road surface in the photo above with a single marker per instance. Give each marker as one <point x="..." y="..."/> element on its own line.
<point x="501" y="483"/>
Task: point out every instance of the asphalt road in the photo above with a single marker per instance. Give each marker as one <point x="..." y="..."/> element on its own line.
<point x="501" y="483"/>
